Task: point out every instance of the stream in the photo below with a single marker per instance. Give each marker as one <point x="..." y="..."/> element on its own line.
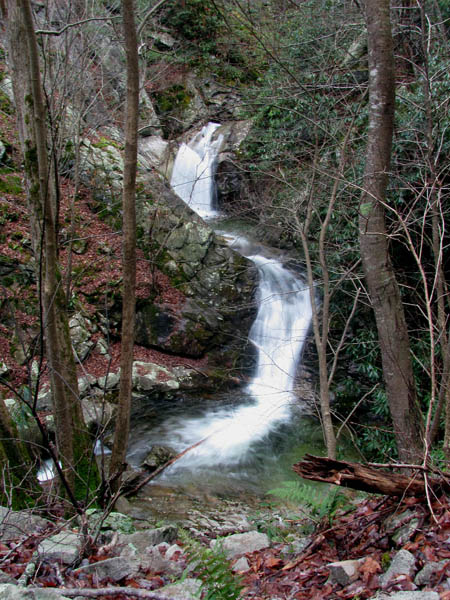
<point x="250" y="433"/>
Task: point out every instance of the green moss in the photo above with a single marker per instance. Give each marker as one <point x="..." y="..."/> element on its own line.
<point x="11" y="184"/>
<point x="173" y="99"/>
<point x="105" y="143"/>
<point x="31" y="159"/>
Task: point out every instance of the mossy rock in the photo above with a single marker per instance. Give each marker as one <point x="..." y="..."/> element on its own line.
<point x="174" y="99"/>
<point x="115" y="521"/>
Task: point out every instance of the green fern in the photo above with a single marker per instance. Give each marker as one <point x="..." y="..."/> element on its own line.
<point x="321" y="503"/>
<point x="211" y="566"/>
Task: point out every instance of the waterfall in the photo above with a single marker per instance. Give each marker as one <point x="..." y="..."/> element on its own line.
<point x="278" y="334"/>
<point x="193" y="171"/>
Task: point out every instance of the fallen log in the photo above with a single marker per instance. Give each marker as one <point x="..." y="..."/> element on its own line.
<point x="365" y="478"/>
<point x="128" y="592"/>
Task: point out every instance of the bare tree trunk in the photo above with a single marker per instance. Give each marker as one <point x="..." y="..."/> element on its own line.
<point x="19" y="488"/>
<point x="374" y="241"/>
<point x="129" y="243"/>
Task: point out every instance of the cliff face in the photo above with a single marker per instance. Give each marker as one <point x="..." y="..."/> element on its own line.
<point x="195" y="294"/>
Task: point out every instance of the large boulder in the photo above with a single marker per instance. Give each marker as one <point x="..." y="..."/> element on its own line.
<point x="16" y="525"/>
<point x="241" y="543"/>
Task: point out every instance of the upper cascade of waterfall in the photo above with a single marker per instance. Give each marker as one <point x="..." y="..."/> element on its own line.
<point x="193" y="171"/>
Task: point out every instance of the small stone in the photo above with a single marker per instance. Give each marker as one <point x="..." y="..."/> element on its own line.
<point x="110" y="381"/>
<point x="151" y="559"/>
<point x="102" y="347"/>
<point x="399" y="532"/>
<point x="403" y="563"/>
<point x="44" y="399"/>
<point x="296" y="546"/>
<point x="157" y="456"/>
<point x="4" y="369"/>
<point x="14" y="592"/>
<point x="141" y="540"/>
<point x="116" y="568"/>
<point x="97" y="412"/>
<point x="427" y="574"/>
<point x="63" y="547"/>
<point x="344" y="571"/>
<point x="188" y="589"/>
<point x="85" y="384"/>
<point x="173" y="550"/>
<point x="241" y="565"/>
<point x="241" y="543"/>
<point x="407" y="596"/>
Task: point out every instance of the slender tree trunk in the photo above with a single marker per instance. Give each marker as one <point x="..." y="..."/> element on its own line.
<point x="19" y="488"/>
<point x="374" y="241"/>
<point x="129" y="243"/>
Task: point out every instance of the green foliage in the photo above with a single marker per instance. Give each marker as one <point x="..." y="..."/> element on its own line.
<point x="385" y="560"/>
<point x="194" y="20"/>
<point x="5" y="104"/>
<point x="7" y="213"/>
<point x="219" y="582"/>
<point x="270" y="524"/>
<point x="323" y="504"/>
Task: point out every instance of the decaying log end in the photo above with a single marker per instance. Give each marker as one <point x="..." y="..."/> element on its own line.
<point x="365" y="478"/>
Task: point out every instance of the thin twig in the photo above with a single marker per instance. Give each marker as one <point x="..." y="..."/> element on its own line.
<point x="349" y="416"/>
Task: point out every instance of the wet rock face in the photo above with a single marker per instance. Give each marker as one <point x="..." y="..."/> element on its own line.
<point x="229" y="184"/>
<point x="218" y="283"/>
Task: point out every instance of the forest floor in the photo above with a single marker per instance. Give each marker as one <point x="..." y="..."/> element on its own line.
<point x="364" y="533"/>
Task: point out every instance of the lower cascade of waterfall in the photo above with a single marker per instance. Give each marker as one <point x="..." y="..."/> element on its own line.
<point x="229" y="435"/>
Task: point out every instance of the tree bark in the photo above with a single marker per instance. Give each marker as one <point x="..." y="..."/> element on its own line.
<point x="129" y="243"/>
<point x="374" y="241"/>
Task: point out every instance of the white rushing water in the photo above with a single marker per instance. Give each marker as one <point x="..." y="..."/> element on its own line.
<point x="278" y="334"/>
<point x="193" y="171"/>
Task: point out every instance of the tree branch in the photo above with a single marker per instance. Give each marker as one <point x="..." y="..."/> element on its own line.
<point x="70" y="25"/>
<point x="148" y="15"/>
